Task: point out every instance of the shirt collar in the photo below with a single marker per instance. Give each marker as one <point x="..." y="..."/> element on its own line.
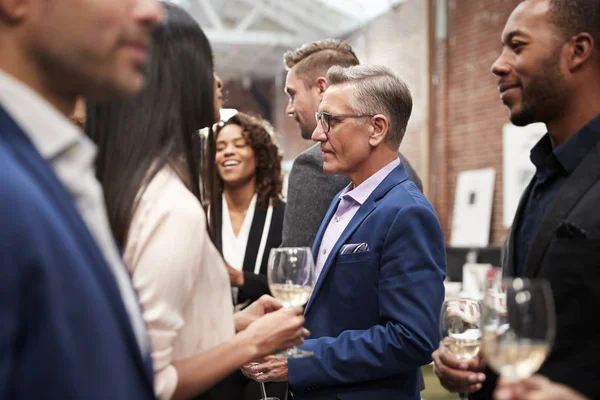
<point x="541" y="153"/>
<point x="50" y="132"/>
<point x="362" y="192"/>
<point x="569" y="154"/>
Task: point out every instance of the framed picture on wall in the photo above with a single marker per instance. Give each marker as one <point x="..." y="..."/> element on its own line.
<point x="473" y="208"/>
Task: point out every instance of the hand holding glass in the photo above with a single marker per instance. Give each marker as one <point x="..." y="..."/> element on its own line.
<point x="291" y="276"/>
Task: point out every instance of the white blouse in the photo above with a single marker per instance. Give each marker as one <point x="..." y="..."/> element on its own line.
<point x="234" y="247"/>
<point x="181" y="280"/>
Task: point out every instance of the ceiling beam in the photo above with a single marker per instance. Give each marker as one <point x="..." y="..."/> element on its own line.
<point x="262" y="38"/>
<point x="211" y="14"/>
<point x="292" y="9"/>
<point x="287" y="22"/>
<point x="251" y="17"/>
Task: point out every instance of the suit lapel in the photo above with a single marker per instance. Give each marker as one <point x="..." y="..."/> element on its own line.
<point x="508" y="266"/>
<point x="360" y="215"/>
<point x="568" y="195"/>
<point x="394" y="178"/>
<point x="62" y="200"/>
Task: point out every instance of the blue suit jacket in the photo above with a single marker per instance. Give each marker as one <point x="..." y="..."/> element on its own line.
<point x="64" y="331"/>
<point x="374" y="315"/>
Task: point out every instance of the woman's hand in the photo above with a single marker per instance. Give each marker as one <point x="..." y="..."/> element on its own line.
<point x="266" y="304"/>
<point x="276" y="331"/>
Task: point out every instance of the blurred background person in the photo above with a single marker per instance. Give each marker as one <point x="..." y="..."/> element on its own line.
<point x="148" y="163"/>
<point x="250" y="211"/>
<point x="71" y="326"/>
<point x="249" y="216"/>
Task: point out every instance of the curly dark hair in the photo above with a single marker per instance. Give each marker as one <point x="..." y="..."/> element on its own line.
<point x="261" y="137"/>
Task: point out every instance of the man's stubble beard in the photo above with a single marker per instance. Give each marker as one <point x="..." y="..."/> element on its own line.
<point x="543" y="96"/>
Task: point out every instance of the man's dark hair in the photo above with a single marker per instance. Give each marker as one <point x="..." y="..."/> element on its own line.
<point x="576" y="16"/>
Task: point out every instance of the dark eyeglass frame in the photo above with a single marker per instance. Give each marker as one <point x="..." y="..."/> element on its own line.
<point x="325" y="118"/>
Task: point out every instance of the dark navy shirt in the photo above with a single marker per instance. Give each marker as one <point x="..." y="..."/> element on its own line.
<point x="553" y="166"/>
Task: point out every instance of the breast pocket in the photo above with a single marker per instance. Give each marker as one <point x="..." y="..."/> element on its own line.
<point x="356" y="277"/>
<point x="352" y="258"/>
<point x="573" y="255"/>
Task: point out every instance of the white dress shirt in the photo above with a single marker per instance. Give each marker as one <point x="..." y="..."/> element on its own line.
<point x="72" y="156"/>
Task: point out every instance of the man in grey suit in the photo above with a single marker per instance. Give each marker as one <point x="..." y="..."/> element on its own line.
<point x="310" y="190"/>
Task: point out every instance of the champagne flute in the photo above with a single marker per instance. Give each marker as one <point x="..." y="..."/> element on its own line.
<point x="460" y="329"/>
<point x="518" y="325"/>
<point x="291" y="276"/>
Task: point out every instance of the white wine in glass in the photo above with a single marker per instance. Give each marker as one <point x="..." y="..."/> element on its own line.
<point x="291" y="276"/>
<point x="518" y="324"/>
<point x="460" y="329"/>
<point x="291" y="295"/>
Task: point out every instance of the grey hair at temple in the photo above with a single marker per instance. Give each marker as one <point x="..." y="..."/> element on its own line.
<point x="377" y="90"/>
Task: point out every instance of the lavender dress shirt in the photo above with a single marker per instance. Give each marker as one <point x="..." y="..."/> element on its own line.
<point x="350" y="202"/>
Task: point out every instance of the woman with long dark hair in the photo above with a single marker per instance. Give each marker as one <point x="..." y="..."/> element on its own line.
<point x="148" y="163"/>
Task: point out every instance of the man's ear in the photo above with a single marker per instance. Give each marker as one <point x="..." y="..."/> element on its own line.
<point x="14" y="10"/>
<point x="580" y="50"/>
<point x="321" y="84"/>
<point x="379" y="128"/>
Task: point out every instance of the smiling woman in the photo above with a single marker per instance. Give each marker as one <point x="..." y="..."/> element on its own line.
<point x="249" y="215"/>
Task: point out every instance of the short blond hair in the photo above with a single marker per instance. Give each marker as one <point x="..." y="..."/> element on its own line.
<point x="377" y="90"/>
<point x="313" y="59"/>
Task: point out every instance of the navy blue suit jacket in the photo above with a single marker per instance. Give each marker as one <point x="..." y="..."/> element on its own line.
<point x="374" y="315"/>
<point x="64" y="330"/>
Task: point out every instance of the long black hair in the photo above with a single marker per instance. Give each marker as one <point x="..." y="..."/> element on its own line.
<point x="137" y="137"/>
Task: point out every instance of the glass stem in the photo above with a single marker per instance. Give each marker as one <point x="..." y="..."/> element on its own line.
<point x="263" y="390"/>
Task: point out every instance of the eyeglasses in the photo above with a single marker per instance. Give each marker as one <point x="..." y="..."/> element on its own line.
<point x="326" y="118"/>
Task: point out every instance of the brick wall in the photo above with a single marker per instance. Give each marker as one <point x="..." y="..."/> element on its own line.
<point x="398" y="40"/>
<point x="475" y="115"/>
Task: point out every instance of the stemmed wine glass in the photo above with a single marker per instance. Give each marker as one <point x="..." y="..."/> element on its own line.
<point x="291" y="276"/>
<point x="518" y="327"/>
<point x="460" y="329"/>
